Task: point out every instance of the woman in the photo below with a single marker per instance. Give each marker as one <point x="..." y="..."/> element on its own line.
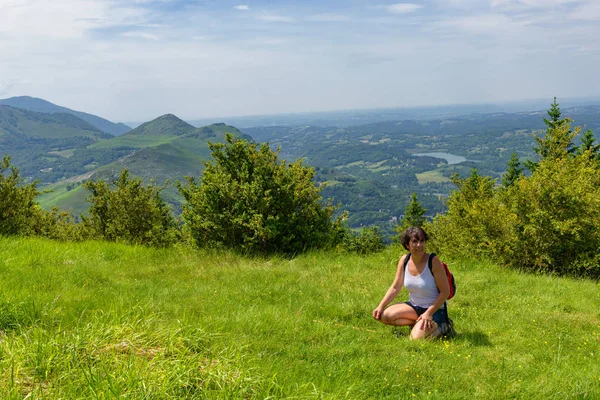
<point x="428" y="290"/>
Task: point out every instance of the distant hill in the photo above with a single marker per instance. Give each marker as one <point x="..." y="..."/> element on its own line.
<point x="30" y="124"/>
<point x="167" y="124"/>
<point x="43" y="106"/>
<point x="164" y="149"/>
<point x="46" y="147"/>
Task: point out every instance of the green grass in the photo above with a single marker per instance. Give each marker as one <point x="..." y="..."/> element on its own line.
<point x="63" y="153"/>
<point x="434" y="176"/>
<point x="97" y="320"/>
<point x="137" y="142"/>
<point x="69" y="200"/>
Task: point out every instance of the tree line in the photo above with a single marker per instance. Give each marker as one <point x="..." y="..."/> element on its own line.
<point x="247" y="199"/>
<point x="544" y="215"/>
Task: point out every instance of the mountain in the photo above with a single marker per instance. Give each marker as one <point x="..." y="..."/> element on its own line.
<point x="29" y="124"/>
<point x="167" y="124"/>
<point x="43" y="106"/>
<point x="46" y="147"/>
<point x="164" y="149"/>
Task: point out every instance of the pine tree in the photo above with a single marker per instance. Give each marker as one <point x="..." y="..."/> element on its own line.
<point x="414" y="215"/>
<point x="557" y="141"/>
<point x="554" y="113"/>
<point x="587" y="143"/>
<point x="514" y="171"/>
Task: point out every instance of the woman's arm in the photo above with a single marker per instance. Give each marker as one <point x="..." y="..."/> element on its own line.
<point x="393" y="290"/>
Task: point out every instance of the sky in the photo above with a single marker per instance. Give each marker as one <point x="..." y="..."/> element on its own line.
<point x="136" y="60"/>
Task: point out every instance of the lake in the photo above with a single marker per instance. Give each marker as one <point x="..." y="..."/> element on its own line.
<point x="451" y="158"/>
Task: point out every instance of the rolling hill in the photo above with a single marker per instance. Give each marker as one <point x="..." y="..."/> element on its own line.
<point x="29" y="125"/>
<point x="371" y="169"/>
<point x="43" y="106"/>
<point x="46" y="147"/>
<point x="164" y="149"/>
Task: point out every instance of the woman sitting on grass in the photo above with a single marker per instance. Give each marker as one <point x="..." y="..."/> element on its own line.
<point x="428" y="290"/>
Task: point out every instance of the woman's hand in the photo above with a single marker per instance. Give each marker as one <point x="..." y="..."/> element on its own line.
<point x="377" y="313"/>
<point x="427" y="321"/>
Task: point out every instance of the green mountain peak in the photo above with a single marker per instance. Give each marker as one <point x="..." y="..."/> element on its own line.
<point x="167" y="124"/>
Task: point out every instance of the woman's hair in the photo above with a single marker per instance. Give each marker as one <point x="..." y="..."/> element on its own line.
<point x="413" y="232"/>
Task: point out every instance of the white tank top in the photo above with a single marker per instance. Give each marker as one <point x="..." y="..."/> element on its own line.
<point x="422" y="288"/>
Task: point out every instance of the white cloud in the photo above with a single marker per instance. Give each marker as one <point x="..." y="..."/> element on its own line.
<point x="275" y="18"/>
<point x="242" y="7"/>
<point x="586" y="12"/>
<point x="65" y="19"/>
<point x="481" y="24"/>
<point x="6" y="87"/>
<point x="140" y="35"/>
<point x="111" y="57"/>
<point x="529" y="4"/>
<point x="403" y="8"/>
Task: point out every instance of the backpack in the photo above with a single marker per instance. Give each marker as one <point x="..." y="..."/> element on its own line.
<point x="451" y="282"/>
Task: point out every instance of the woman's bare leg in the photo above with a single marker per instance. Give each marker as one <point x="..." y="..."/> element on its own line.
<point x="399" y="315"/>
<point x="419" y="333"/>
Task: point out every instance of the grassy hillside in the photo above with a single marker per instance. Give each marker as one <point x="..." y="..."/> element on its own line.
<point x="96" y="320"/>
<point x="28" y="124"/>
<point x="66" y="196"/>
<point x="43" y="106"/>
<point x="166" y="148"/>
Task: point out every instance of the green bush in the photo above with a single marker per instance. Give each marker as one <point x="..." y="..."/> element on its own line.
<point x="56" y="224"/>
<point x="251" y="201"/>
<point x="549" y="221"/>
<point x="477" y="223"/>
<point x="17" y="201"/>
<point x="131" y="213"/>
<point x="558" y="210"/>
<point x="368" y="241"/>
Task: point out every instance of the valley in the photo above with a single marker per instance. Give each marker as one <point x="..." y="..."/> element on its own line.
<point x="370" y="170"/>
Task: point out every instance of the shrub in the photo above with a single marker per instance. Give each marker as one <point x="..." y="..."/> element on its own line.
<point x="17" y="201"/>
<point x="549" y="221"/>
<point x="477" y="223"/>
<point x="56" y="224"/>
<point x="558" y="210"/>
<point x="251" y="201"/>
<point x="131" y="213"/>
<point x="368" y="241"/>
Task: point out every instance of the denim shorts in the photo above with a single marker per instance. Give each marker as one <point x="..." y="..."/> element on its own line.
<point x="439" y="316"/>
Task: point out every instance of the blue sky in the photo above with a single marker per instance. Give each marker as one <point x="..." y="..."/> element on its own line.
<point x="135" y="60"/>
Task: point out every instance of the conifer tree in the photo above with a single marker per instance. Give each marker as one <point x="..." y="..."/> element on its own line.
<point x="414" y="215"/>
<point x="514" y="171"/>
<point x="557" y="140"/>
<point x="554" y="113"/>
<point x="587" y="143"/>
